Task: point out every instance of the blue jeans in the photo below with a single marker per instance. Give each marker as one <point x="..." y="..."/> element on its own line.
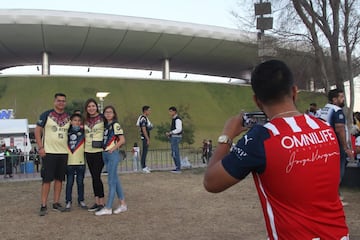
<point x="144" y="152"/>
<point x="71" y="172"/>
<point x="111" y="161"/>
<point x="175" y="153"/>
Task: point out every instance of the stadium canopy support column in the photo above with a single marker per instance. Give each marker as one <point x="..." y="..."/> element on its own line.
<point x="45" y="64"/>
<point x="166" y="69"/>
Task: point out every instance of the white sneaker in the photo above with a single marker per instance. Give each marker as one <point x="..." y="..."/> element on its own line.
<point x="146" y="170"/>
<point x="104" y="211"/>
<point x="120" y="209"/>
<point x="344" y="203"/>
<point x="68" y="206"/>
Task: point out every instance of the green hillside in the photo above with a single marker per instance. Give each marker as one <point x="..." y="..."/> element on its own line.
<point x="210" y="104"/>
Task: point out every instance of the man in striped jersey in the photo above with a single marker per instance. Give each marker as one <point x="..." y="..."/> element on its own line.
<point x="294" y="160"/>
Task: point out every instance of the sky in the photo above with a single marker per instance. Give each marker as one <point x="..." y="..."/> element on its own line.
<point x="213" y="12"/>
<point x="209" y="12"/>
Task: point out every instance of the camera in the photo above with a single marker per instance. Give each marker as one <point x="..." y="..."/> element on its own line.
<point x="252" y="118"/>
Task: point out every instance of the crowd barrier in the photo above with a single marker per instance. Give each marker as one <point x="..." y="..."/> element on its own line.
<point x="29" y="166"/>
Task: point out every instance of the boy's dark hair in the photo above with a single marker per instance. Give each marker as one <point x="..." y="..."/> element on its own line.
<point x="145" y="108"/>
<point x="75" y="115"/>
<point x="271" y="81"/>
<point x="172" y="108"/>
<point x="334" y="93"/>
<point x="59" y="95"/>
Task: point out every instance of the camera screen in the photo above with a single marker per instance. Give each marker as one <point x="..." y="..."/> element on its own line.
<point x="252" y="118"/>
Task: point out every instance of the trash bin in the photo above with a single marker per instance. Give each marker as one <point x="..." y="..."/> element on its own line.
<point x="27" y="167"/>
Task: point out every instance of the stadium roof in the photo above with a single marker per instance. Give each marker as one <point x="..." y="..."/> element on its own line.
<point x="103" y="40"/>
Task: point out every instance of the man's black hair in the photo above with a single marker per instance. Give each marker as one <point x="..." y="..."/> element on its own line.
<point x="334" y="93"/>
<point x="271" y="81"/>
<point x="59" y="95"/>
<point x="172" y="108"/>
<point x="145" y="108"/>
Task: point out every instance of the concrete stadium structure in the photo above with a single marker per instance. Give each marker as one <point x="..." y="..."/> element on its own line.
<point x="44" y="37"/>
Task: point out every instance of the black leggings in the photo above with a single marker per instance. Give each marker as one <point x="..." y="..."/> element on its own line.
<point x="96" y="164"/>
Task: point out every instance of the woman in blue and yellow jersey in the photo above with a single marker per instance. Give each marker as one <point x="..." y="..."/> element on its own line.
<point x="94" y="130"/>
<point x="113" y="140"/>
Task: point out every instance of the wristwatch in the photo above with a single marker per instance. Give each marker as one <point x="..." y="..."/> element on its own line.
<point x="224" y="139"/>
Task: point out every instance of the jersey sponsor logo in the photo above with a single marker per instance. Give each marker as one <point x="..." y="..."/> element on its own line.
<point x="239" y="152"/>
<point x="315" y="156"/>
<point x="247" y="139"/>
<point x="307" y="139"/>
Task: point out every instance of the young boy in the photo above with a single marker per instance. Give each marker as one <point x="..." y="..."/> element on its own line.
<point x="76" y="161"/>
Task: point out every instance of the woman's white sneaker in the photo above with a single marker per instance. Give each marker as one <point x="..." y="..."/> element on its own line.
<point x="104" y="211"/>
<point x="120" y="209"/>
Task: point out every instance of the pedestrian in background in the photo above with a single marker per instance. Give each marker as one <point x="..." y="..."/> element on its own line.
<point x="145" y="128"/>
<point x="333" y="114"/>
<point x="175" y="136"/>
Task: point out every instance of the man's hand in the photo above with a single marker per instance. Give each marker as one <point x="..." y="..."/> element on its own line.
<point x="350" y="153"/>
<point x="234" y="126"/>
<point x="42" y="152"/>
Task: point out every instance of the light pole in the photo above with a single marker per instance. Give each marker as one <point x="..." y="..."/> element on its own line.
<point x="101" y="96"/>
<point x="265" y="47"/>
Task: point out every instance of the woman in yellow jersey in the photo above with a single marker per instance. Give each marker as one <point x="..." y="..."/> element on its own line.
<point x="113" y="140"/>
<point x="94" y="130"/>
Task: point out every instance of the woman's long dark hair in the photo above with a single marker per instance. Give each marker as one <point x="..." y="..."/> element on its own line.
<point x="113" y="109"/>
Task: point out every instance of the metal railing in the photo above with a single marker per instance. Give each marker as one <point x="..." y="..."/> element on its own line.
<point x="29" y="165"/>
<point x="161" y="159"/>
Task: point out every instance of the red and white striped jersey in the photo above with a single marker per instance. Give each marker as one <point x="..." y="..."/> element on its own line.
<point x="295" y="164"/>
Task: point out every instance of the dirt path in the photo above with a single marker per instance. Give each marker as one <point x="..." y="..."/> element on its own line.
<point x="161" y="205"/>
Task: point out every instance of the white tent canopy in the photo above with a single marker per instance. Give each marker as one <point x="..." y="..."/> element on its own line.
<point x="14" y="126"/>
<point x="15" y="133"/>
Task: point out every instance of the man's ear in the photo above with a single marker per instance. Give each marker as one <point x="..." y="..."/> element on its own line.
<point x="295" y="93"/>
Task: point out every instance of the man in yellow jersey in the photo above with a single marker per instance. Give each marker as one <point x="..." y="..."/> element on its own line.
<point x="51" y="138"/>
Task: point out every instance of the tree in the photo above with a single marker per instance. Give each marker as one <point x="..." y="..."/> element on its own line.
<point x="75" y="105"/>
<point x="327" y="24"/>
<point x="351" y="36"/>
<point x="188" y="127"/>
<point x="333" y="18"/>
<point x="331" y="27"/>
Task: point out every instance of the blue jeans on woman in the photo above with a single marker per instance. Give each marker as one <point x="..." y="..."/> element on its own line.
<point x="175" y="152"/>
<point x="71" y="172"/>
<point x="111" y="161"/>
